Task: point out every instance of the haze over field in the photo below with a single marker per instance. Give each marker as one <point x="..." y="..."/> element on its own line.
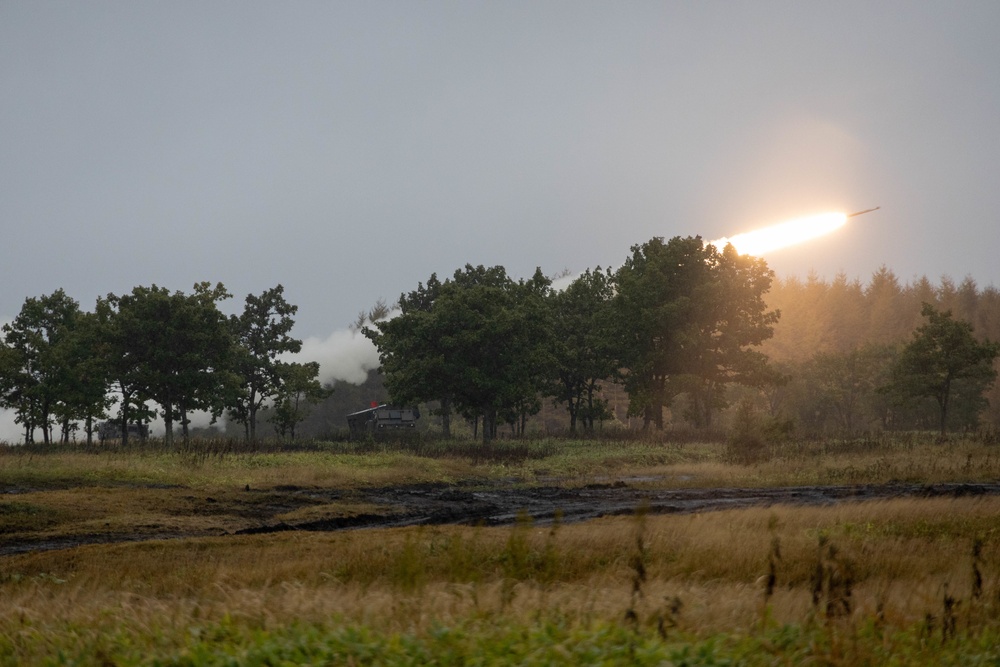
<point x="349" y="150"/>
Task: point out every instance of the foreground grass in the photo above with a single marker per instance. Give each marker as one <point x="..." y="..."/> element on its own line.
<point x="691" y="589"/>
<point x="904" y="581"/>
<point x="546" y="642"/>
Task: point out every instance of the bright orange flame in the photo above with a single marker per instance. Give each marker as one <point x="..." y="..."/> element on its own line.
<point x="784" y="234"/>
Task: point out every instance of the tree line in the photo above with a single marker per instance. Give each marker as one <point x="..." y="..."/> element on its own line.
<point x="686" y="326"/>
<point x="683" y="328"/>
<point x="63" y="369"/>
<point x="850" y="353"/>
<point x="678" y="316"/>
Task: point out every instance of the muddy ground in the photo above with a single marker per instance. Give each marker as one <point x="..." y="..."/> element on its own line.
<point x="250" y="511"/>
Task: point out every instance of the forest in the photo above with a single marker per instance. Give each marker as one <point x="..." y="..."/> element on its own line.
<point x="682" y="336"/>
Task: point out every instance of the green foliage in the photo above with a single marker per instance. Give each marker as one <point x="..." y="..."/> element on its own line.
<point x="944" y="360"/>
<point x="840" y="391"/>
<point x="299" y="389"/>
<point x="679" y="324"/>
<point x="262" y="335"/>
<point x="583" y="350"/>
<point x="50" y="371"/>
<point x="170" y="348"/>
<point x="477" y="342"/>
<point x="836" y="338"/>
<point x="549" y="640"/>
<point x="753" y="437"/>
<point x="688" y="316"/>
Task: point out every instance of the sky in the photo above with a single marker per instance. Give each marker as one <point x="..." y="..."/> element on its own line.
<point x="348" y="150"/>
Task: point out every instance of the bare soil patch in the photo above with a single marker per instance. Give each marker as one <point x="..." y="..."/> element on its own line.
<point x="179" y="512"/>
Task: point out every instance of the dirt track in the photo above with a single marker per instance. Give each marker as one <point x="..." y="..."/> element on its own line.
<point x="432" y="504"/>
<point x="437" y="505"/>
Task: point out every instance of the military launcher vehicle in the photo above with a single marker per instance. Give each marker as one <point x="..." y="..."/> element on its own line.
<point x="382" y="420"/>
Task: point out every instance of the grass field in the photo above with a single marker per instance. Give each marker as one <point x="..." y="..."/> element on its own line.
<point x="905" y="581"/>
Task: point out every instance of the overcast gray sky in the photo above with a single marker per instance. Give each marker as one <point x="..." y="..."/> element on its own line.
<point x="347" y="150"/>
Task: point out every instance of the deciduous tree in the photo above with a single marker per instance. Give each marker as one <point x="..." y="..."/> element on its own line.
<point x="583" y="349"/>
<point x="263" y="334"/>
<point x="944" y="357"/>
<point x="300" y="388"/>
<point x="689" y="316"/>
<point x="37" y="365"/>
<point x="478" y="341"/>
<point x="170" y="348"/>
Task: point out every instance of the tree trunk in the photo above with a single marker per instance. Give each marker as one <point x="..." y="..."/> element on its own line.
<point x="489" y="427"/>
<point x="573" y="405"/>
<point x="168" y="423"/>
<point x="46" y="426"/>
<point x="126" y="399"/>
<point x="588" y="420"/>
<point x="252" y="416"/>
<point x="184" y="425"/>
<point x="446" y="417"/>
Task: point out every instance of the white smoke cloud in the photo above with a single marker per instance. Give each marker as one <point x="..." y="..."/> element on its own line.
<point x="10" y="431"/>
<point x="344" y="356"/>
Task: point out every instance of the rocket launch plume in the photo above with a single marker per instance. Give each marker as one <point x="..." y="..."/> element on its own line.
<point x="782" y="235"/>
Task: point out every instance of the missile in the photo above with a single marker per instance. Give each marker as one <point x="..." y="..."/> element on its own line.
<point x="851" y="215"/>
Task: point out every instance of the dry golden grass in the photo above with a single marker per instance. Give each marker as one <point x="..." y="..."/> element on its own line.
<point x="902" y="554"/>
<point x="698" y="574"/>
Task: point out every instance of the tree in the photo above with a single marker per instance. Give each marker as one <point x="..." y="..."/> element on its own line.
<point x="415" y="362"/>
<point x="14" y="386"/>
<point x="495" y="334"/>
<point x="845" y="386"/>
<point x="884" y="297"/>
<point x="83" y="393"/>
<point x="300" y="388"/>
<point x="262" y="334"/>
<point x="116" y="339"/>
<point x="206" y="353"/>
<point x="944" y="357"/>
<point x="652" y="303"/>
<point x="377" y="312"/>
<point x="688" y="316"/>
<point x="728" y="320"/>
<point x="477" y="342"/>
<point x="36" y="365"/>
<point x="171" y="348"/>
<point x="582" y="346"/>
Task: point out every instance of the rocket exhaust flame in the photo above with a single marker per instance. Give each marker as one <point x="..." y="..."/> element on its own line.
<point x="782" y="235"/>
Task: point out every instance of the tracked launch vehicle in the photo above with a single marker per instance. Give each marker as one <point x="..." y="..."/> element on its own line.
<point x="381" y="421"/>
